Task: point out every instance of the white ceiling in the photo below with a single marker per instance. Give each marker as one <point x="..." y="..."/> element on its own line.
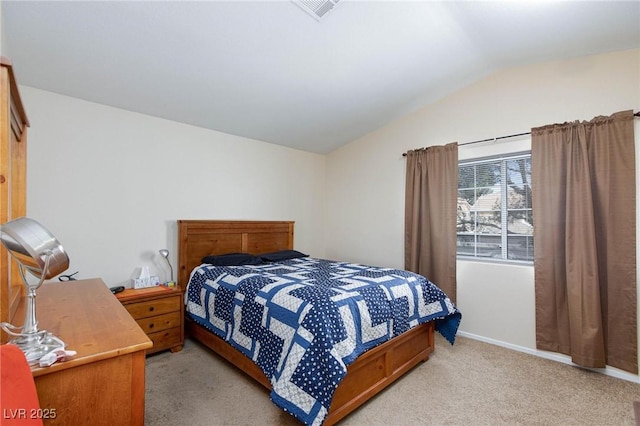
<point x="269" y="71"/>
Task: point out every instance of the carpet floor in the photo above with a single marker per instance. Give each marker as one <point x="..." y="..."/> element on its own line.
<point x="470" y="383"/>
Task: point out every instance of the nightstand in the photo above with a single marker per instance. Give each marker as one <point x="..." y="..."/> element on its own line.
<point x="159" y="311"/>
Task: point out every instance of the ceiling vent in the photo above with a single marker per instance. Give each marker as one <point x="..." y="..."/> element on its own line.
<point x="316" y="8"/>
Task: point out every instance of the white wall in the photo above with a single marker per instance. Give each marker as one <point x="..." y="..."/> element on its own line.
<point x="110" y="184"/>
<point x="366" y="179"/>
<point x="3" y="47"/>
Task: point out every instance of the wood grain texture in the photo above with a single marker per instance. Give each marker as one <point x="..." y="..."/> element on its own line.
<point x="199" y="238"/>
<point x="89" y="319"/>
<point x="368" y="375"/>
<point x="13" y="185"/>
<point x="159" y="311"/>
<point x="104" y="383"/>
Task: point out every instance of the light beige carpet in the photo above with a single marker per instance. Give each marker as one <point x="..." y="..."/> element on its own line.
<point x="470" y="383"/>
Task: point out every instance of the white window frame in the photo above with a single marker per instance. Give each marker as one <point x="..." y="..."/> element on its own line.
<point x="504" y="231"/>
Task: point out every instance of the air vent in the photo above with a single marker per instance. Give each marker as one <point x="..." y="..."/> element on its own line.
<point x="316" y="8"/>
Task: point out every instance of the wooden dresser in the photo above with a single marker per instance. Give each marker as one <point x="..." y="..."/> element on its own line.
<point x="159" y="311"/>
<point x="104" y="384"/>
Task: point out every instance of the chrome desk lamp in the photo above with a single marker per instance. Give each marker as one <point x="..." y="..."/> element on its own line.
<point x="165" y="254"/>
<point x="38" y="252"/>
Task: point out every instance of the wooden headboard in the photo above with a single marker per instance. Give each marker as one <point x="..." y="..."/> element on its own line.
<point x="199" y="238"/>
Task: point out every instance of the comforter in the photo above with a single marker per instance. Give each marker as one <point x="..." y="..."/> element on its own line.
<point x="303" y="321"/>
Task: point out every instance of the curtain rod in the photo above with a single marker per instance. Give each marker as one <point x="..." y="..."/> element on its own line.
<point x="637" y="114"/>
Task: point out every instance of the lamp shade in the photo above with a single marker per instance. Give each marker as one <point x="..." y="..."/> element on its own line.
<point x="30" y="243"/>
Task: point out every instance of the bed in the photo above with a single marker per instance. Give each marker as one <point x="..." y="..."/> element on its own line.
<point x="366" y="375"/>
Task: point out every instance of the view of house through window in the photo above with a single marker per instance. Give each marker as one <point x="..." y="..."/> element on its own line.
<point x="495" y="218"/>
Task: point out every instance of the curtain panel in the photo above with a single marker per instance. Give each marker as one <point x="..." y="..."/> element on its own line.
<point x="584" y="209"/>
<point x="430" y="215"/>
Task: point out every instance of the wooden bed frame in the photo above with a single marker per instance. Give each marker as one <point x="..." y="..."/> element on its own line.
<point x="366" y="376"/>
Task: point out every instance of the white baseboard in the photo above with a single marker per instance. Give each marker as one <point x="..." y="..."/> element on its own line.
<point x="608" y="371"/>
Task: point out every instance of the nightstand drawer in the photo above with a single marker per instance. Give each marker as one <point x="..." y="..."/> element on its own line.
<point x="158" y="311"/>
<point x="165" y="339"/>
<point x="159" y="322"/>
<point x="154" y="307"/>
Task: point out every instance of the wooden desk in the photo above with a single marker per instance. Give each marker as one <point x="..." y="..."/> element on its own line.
<point x="104" y="383"/>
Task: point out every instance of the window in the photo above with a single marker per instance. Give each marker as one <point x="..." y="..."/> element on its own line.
<point x="495" y="218"/>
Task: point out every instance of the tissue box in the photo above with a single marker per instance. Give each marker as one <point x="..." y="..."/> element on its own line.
<point x="145" y="282"/>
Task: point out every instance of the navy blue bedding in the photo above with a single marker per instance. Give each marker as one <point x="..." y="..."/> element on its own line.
<point x="302" y="321"/>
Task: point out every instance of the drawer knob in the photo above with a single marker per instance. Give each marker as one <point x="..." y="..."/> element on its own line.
<point x="151" y="325"/>
<point x="151" y="309"/>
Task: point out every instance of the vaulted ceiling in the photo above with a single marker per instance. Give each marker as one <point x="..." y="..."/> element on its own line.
<point x="269" y="71"/>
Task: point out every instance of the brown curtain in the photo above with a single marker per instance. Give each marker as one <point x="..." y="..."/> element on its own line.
<point x="430" y="215"/>
<point x="584" y="209"/>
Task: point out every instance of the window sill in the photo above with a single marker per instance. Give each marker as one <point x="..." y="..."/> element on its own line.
<point x="494" y="261"/>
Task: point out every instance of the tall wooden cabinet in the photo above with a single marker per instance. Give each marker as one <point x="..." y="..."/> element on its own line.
<point x="13" y="184"/>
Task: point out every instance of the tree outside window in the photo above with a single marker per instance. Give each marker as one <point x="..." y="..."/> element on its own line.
<point x="494" y="218"/>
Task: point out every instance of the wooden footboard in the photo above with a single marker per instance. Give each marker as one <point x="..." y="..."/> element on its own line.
<point x="369" y="374"/>
<point x="376" y="369"/>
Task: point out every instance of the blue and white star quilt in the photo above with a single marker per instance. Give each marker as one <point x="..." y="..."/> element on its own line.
<point x="303" y="321"/>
